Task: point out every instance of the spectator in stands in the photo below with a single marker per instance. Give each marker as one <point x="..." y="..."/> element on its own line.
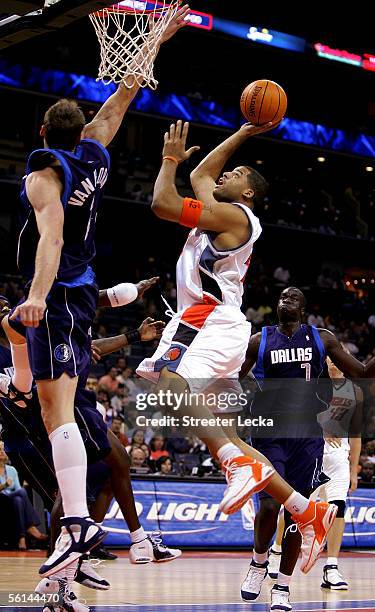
<point x="138" y="460"/>
<point x="164" y="466"/>
<point x="157" y="447"/>
<point x="138" y="441"/>
<point x="25" y="515"/>
<point x="282" y="276"/>
<point x="92" y="383"/>
<point x="117" y="428"/>
<point x="120" y="400"/>
<point x="366" y="474"/>
<point x="315" y="318"/>
<point x="109" y="381"/>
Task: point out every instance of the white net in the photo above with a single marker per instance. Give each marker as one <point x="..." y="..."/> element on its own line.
<point x="129" y="34"/>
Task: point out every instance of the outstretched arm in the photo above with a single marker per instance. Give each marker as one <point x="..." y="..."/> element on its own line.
<point x="43" y="190"/>
<point x="125" y="293"/>
<point x="107" y="121"/>
<point x="148" y="330"/>
<point x="346" y="363"/>
<point x="205" y="175"/>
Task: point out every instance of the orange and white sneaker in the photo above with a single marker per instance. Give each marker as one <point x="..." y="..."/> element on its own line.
<point x="314" y="525"/>
<point x="244" y="476"/>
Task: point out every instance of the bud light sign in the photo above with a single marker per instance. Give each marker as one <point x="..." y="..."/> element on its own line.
<point x="188" y="514"/>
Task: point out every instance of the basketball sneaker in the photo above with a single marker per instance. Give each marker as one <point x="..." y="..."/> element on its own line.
<point x="274" y="559"/>
<point x="9" y="391"/>
<point x="314" y="525"/>
<point x="333" y="580"/>
<point x="67" y="600"/>
<point x="252" y="585"/>
<point x="244" y="476"/>
<point x="78" y="536"/>
<point x="280" y="599"/>
<point x="87" y="575"/>
<point x="152" y="549"/>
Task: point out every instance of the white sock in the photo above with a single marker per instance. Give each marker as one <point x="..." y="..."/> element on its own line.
<point x="283" y="580"/>
<point x="70" y="461"/>
<point x="228" y="451"/>
<point x="332" y="561"/>
<point x="22" y="377"/>
<point x="296" y="503"/>
<point x="276" y="548"/>
<point x="138" y="535"/>
<point x="260" y="557"/>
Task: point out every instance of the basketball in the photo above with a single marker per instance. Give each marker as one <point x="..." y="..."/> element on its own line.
<point x="263" y="101"/>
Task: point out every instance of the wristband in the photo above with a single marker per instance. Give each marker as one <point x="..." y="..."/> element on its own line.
<point x="171" y="158"/>
<point x="191" y="212"/>
<point x="133" y="336"/>
<point x="122" y="294"/>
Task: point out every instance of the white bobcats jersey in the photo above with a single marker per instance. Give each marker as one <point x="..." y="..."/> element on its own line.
<point x="207" y="275"/>
<point x="340" y="411"/>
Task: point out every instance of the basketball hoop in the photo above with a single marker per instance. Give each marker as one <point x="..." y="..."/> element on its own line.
<point x="129" y="34"/>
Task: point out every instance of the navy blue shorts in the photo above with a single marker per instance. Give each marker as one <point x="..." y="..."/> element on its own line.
<point x="97" y="475"/>
<point x="299" y="461"/>
<point x="93" y="429"/>
<point x="62" y="342"/>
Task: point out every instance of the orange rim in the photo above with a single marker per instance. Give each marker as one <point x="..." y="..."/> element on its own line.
<point x="118" y="8"/>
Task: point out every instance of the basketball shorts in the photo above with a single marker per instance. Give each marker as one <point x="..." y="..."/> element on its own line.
<point x="93" y="429"/>
<point x="62" y="342"/>
<point x="298" y="461"/>
<point x="203" y="343"/>
<point x="336" y="465"/>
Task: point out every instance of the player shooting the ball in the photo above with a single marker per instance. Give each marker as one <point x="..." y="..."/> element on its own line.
<point x="207" y="338"/>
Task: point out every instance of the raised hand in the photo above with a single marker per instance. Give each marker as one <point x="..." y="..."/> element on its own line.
<point x="252" y="130"/>
<point x="150" y="329"/>
<point x="145" y="285"/>
<point x="175" y="142"/>
<point x="176" y="23"/>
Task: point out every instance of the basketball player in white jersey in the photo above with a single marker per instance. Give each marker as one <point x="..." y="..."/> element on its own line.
<point x="342" y="424"/>
<point x="207" y="338"/>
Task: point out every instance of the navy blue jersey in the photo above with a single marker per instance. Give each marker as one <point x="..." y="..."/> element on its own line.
<point x="83" y="173"/>
<point x="293" y="377"/>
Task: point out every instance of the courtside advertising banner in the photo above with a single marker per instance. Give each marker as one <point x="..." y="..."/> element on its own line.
<point x="188" y="515"/>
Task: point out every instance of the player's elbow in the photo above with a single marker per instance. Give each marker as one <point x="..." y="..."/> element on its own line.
<point x="157" y="206"/>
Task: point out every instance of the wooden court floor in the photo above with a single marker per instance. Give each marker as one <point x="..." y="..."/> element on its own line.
<point x="208" y="582"/>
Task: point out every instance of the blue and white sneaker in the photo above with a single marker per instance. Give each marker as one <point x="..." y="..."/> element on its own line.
<point x="252" y="585"/>
<point x="152" y="549"/>
<point x="67" y="600"/>
<point x="333" y="580"/>
<point x="78" y="536"/>
<point x="9" y="391"/>
<point x="87" y="575"/>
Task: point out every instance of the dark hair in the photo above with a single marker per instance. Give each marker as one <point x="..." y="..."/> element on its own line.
<point x="63" y="124"/>
<point x="152" y="442"/>
<point x="117" y="418"/>
<point x="258" y="184"/>
<point x="159" y="462"/>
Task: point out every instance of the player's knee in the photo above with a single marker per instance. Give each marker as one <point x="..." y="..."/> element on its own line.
<point x="341" y="505"/>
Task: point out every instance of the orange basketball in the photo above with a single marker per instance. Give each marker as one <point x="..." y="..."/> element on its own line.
<point x="263" y="101"/>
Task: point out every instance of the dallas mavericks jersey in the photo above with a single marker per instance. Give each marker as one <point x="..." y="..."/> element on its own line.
<point x="293" y="376"/>
<point x="84" y="174"/>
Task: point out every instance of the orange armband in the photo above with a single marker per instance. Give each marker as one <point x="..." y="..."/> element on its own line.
<point x="191" y="212"/>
